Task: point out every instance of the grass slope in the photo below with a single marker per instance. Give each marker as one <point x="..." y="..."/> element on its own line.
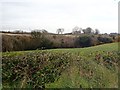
<point x="92" y="67"/>
<point x="78" y="74"/>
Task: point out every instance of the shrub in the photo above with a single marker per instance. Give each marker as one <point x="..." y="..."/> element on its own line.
<point x="105" y="39"/>
<point x="33" y="69"/>
<point x="83" y="41"/>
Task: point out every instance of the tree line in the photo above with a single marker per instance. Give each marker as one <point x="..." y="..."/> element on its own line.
<point x="78" y="30"/>
<point x="41" y="39"/>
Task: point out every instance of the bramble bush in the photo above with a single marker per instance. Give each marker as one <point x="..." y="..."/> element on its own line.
<point x="33" y="70"/>
<point x="38" y="68"/>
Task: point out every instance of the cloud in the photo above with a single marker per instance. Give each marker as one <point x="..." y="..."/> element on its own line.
<point x="52" y="14"/>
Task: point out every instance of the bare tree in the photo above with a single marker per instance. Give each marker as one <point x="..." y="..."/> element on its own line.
<point x="84" y="31"/>
<point x="97" y="31"/>
<point x="60" y="30"/>
<point x="44" y="31"/>
<point x="76" y="30"/>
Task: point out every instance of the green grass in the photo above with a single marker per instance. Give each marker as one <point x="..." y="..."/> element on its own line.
<point x="91" y="67"/>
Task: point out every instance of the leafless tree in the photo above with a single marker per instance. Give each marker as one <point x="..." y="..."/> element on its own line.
<point x="97" y="31"/>
<point x="76" y="30"/>
<point x="60" y="30"/>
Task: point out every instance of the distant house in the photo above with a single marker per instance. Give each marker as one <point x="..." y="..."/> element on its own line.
<point x="67" y="33"/>
<point x="113" y="33"/>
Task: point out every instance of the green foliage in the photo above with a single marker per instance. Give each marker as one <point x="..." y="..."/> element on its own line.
<point x="105" y="39"/>
<point x="93" y="67"/>
<point x="32" y="69"/>
<point x="89" y="69"/>
<point x="83" y="41"/>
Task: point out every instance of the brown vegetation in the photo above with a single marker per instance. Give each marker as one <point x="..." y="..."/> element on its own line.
<point x="41" y="40"/>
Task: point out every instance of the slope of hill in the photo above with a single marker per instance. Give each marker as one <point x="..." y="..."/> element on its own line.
<point x="92" y="67"/>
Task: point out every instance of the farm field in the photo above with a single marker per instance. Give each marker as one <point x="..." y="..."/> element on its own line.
<point x="91" y="67"/>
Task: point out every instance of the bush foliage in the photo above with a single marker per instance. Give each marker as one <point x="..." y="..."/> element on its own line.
<point x="85" y="68"/>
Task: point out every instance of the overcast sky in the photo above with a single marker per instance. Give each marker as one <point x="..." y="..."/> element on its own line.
<point x="53" y="14"/>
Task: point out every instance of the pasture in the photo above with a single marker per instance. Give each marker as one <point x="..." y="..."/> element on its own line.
<point x="91" y="67"/>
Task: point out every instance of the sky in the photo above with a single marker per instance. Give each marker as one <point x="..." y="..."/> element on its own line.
<point x="27" y="15"/>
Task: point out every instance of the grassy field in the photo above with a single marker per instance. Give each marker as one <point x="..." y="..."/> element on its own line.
<point x="92" y="67"/>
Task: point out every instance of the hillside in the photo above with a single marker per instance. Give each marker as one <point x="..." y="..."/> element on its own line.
<point x="38" y="40"/>
<point x="92" y="67"/>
